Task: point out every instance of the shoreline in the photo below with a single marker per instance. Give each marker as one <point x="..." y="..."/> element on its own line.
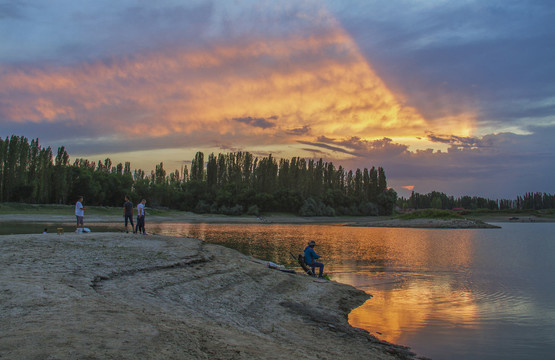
<point x="362" y="221"/>
<point x="430" y="224"/>
<point x="113" y="295"/>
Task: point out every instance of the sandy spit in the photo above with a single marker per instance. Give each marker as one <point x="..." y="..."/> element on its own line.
<point x="428" y="223"/>
<point x="124" y="296"/>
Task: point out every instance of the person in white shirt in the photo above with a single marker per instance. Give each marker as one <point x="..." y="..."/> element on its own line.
<point x="80" y="214"/>
<point x="141" y="218"/>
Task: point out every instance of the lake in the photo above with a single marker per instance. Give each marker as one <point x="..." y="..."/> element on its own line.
<point x="448" y="294"/>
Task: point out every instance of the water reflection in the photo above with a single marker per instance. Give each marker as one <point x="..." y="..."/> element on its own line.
<point x="417" y="277"/>
<point x="448" y="294"/>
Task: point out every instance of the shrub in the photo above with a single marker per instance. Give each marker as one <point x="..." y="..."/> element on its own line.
<point x="313" y="207"/>
<point x="235" y="210"/>
<point x="368" y="209"/>
<point x="253" y="210"/>
<point x="202" y="207"/>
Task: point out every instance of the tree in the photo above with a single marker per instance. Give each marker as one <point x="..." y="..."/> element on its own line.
<point x="197" y="167"/>
<point x="61" y="184"/>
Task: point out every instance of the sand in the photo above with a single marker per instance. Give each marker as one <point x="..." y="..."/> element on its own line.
<point x="124" y="296"/>
<point x="428" y="223"/>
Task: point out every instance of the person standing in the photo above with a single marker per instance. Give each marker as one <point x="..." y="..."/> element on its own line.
<point x="128" y="214"/>
<point x="141" y="218"/>
<point x="80" y="215"/>
<point x="310" y="257"/>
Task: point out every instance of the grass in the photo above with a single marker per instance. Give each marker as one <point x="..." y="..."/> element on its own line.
<point x="476" y="214"/>
<point x="20" y="208"/>
<point x="53" y="209"/>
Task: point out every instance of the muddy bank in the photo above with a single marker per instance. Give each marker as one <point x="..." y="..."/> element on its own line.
<point x="428" y="224"/>
<point x="119" y="296"/>
<point x="372" y="221"/>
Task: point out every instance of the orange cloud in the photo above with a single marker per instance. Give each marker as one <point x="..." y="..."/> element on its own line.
<point x="317" y="82"/>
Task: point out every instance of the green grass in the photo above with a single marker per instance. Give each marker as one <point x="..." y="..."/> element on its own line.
<point x="20" y="208"/>
<point x="52" y="209"/>
<point x="430" y="214"/>
<point x="546" y="213"/>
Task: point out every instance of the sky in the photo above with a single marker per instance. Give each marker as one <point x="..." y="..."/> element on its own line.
<point x="450" y="96"/>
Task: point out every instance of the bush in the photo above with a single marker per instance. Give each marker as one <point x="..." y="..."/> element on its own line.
<point x="253" y="210"/>
<point x="368" y="209"/>
<point x="235" y="210"/>
<point x="313" y="207"/>
<point x="202" y="207"/>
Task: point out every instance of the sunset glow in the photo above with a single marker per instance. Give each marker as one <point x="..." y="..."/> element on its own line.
<point x="186" y="91"/>
<point x="301" y="79"/>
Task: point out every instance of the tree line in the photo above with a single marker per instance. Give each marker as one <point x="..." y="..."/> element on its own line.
<point x="232" y="183"/>
<point x="439" y="200"/>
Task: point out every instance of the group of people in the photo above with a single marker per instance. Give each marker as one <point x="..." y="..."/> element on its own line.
<point x="127" y="215"/>
<point x="310" y="255"/>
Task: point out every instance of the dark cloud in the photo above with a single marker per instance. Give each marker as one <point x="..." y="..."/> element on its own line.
<point x="457" y="141"/>
<point x="314" y="151"/>
<point x="328" y="147"/>
<point x="228" y="147"/>
<point x="299" y="131"/>
<point x="71" y="32"/>
<point x="257" y="122"/>
<point x="507" y="166"/>
<point x="11" y="9"/>
<point x="362" y="147"/>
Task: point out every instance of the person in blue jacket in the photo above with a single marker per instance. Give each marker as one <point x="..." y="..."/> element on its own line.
<point x="310" y="257"/>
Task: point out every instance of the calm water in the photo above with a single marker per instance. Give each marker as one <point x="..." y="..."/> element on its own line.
<point x="448" y="294"/>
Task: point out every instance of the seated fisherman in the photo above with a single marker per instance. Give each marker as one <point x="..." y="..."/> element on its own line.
<point x="310" y="257"/>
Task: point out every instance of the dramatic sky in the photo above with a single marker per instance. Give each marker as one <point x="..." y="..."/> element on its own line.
<point x="453" y="96"/>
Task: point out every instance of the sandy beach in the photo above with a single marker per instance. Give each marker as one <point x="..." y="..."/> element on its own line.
<point x="120" y="296"/>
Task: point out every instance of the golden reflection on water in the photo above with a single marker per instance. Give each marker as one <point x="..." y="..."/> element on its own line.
<point x="413" y="281"/>
<point x="389" y="314"/>
<point x="405" y="299"/>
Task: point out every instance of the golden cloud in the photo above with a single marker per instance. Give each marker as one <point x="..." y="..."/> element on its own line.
<point x="318" y="82"/>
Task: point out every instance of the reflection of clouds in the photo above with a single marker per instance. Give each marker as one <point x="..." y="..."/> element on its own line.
<point x="416" y="303"/>
<point x="404" y="267"/>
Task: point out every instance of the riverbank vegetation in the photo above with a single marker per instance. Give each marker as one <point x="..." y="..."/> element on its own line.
<point x="439" y="200"/>
<point x="231" y="184"/>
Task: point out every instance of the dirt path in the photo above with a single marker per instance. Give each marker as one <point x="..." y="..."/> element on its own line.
<point x="120" y="296"/>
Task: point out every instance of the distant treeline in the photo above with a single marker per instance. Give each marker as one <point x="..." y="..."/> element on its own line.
<point x="232" y="183"/>
<point x="438" y="200"/>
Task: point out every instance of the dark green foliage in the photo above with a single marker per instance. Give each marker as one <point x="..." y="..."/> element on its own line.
<point x="235" y="210"/>
<point x="226" y="184"/>
<point x="313" y="207"/>
<point x="202" y="207"/>
<point x="438" y="200"/>
<point x="386" y="201"/>
<point x="253" y="210"/>
<point x="230" y="184"/>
